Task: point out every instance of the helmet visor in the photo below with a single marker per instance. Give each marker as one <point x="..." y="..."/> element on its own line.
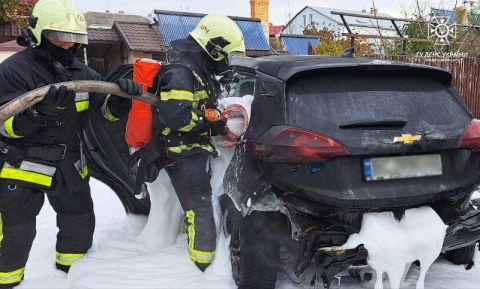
<point x="66" y="36"/>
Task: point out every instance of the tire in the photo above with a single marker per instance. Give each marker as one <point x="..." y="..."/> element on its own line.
<point x="461" y="256"/>
<point x="259" y="252"/>
<point x="258" y="265"/>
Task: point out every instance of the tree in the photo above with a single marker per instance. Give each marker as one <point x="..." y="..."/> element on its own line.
<point x="333" y="44"/>
<point x="414" y="30"/>
<point x="276" y="44"/>
<point x="9" y="9"/>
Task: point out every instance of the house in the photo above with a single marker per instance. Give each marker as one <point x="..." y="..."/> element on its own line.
<point x="105" y="20"/>
<point x="299" y="44"/>
<point x="450" y="14"/>
<point x="274" y="30"/>
<point x="321" y="17"/>
<point x="176" y="25"/>
<point x="118" y="38"/>
<point x="459" y="15"/>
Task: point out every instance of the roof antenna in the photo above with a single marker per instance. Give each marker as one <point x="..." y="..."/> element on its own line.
<point x="349" y="52"/>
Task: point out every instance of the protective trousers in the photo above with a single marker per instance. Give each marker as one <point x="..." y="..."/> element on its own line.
<point x="19" y="207"/>
<point x="191" y="182"/>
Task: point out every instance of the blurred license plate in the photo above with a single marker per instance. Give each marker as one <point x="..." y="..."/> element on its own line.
<point x="375" y="169"/>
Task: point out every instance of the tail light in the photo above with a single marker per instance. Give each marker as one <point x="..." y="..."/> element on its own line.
<point x="289" y="144"/>
<point x="471" y="136"/>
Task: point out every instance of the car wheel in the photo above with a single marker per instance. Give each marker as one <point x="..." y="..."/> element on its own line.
<point x="259" y="255"/>
<point x="462" y="256"/>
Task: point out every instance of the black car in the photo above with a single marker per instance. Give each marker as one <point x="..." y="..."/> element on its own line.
<point x="331" y="138"/>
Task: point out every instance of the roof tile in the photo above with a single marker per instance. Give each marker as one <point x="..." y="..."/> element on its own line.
<point x="141" y="37"/>
<point x="102" y="35"/>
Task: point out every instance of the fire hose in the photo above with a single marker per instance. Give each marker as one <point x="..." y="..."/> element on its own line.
<point x="232" y="111"/>
<point x="33" y="97"/>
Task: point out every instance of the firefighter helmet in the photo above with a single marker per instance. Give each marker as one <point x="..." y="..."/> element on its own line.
<point x="219" y="36"/>
<point x="58" y="20"/>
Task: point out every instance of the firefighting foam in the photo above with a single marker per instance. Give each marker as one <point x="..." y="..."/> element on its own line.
<point x="394" y="245"/>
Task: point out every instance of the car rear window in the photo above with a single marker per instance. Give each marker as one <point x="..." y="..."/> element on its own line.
<point x="324" y="102"/>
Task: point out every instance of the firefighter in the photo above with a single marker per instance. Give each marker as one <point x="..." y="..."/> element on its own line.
<point x="187" y="89"/>
<point x="40" y="148"/>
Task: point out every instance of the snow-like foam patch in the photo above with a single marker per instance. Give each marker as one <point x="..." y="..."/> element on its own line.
<point x="393" y="245"/>
<point x="162" y="227"/>
<point x="154" y="246"/>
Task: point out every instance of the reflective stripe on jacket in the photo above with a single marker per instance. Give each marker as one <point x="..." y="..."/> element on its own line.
<point x="181" y="98"/>
<point x="24" y="72"/>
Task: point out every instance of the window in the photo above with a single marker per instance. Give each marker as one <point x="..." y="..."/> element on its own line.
<point x="311" y="20"/>
<point x="304" y="20"/>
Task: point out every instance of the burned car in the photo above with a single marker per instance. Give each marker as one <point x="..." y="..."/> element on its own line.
<point x="329" y="139"/>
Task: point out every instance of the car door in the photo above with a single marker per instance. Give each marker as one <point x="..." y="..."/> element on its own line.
<point x="108" y="154"/>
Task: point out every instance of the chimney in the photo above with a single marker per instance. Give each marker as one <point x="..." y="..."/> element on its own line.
<point x="374" y="11"/>
<point x="364" y="10"/>
<point x="259" y="9"/>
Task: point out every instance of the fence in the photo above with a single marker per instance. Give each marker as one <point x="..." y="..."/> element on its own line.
<point x="465" y="72"/>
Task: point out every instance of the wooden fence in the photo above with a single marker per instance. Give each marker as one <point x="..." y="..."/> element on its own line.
<point x="465" y="72"/>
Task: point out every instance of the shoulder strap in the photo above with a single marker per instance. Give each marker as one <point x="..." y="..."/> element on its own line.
<point x="204" y="84"/>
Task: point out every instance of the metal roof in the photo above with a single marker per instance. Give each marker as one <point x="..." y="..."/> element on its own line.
<point x="352" y="21"/>
<point x="176" y="25"/>
<point x="298" y="44"/>
<point x="452" y="16"/>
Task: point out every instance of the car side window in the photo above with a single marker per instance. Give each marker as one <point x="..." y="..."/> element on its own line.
<point x="243" y="85"/>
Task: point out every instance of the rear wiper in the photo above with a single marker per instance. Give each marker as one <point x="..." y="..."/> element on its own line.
<point x="392" y="122"/>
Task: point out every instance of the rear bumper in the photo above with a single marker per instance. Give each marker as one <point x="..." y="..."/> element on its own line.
<point x="339" y="182"/>
<point x="463" y="232"/>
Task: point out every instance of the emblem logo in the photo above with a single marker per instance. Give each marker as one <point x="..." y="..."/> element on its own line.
<point x="407" y="139"/>
<point x="204" y="28"/>
<point x="441" y="29"/>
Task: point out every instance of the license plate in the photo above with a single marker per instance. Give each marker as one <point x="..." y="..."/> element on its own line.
<point x="391" y="168"/>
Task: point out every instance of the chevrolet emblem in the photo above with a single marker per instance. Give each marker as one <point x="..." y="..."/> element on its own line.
<point x="407" y="138"/>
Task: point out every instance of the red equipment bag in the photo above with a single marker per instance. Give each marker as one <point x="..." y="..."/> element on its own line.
<point x="139" y="124"/>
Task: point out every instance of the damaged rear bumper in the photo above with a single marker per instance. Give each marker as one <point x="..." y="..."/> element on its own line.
<point x="464" y="232"/>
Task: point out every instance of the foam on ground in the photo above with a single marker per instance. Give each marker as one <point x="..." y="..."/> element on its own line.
<point x="394" y="245"/>
<point x="133" y="252"/>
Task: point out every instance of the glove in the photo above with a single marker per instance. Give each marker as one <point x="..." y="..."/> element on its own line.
<point x="119" y="106"/>
<point x="150" y="156"/>
<point x="129" y="86"/>
<point x="147" y="155"/>
<point x="146" y="164"/>
<point x="217" y="127"/>
<point x="55" y="101"/>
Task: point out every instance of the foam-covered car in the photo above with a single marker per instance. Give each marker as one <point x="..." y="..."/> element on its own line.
<point x="330" y="139"/>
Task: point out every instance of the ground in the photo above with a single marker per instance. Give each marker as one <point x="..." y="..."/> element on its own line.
<point x="121" y="259"/>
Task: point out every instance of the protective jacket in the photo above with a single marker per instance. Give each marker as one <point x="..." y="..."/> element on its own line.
<point x="51" y="156"/>
<point x="186" y="87"/>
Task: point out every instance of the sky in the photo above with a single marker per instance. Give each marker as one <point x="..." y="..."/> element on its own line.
<point x="279" y="9"/>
